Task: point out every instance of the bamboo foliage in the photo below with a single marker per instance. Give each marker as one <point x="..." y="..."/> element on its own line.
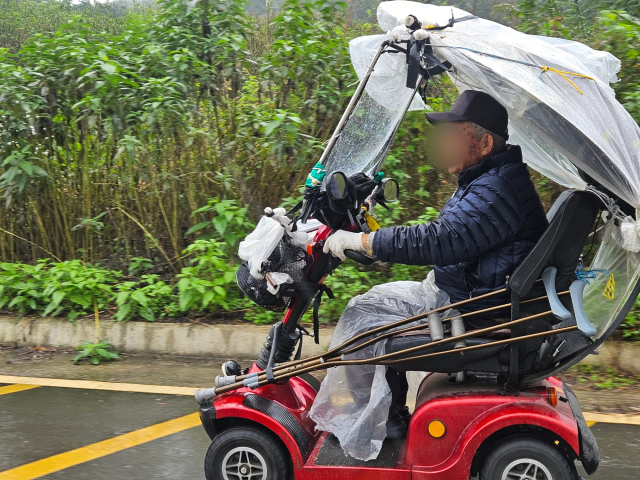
<point x="108" y="143"/>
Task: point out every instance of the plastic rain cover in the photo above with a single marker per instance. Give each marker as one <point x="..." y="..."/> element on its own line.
<point x="557" y="127"/>
<point x="367" y="135"/>
<point x="617" y="271"/>
<point x="354" y="400"/>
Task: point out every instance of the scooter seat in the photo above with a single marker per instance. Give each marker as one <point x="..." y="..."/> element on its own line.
<point x="448" y="363"/>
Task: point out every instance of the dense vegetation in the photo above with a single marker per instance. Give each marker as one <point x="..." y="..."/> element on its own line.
<point x="140" y="142"/>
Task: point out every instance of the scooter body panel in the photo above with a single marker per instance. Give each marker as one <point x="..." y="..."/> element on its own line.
<point x="282" y="409"/>
<point x="471" y="413"/>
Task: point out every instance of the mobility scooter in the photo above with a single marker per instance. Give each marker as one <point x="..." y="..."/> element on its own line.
<point x="490" y="405"/>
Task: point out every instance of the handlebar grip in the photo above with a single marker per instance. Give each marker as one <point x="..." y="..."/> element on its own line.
<point x="360" y="257"/>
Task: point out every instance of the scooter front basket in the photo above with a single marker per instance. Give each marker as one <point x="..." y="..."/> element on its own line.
<point x="287" y="258"/>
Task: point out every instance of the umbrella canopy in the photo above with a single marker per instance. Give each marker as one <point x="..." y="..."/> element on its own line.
<point x="562" y="112"/>
<point x="566" y="123"/>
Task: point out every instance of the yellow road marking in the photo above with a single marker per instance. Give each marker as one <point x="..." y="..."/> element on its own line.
<point x="618" y="418"/>
<point x="68" y="459"/>
<point x="590" y="423"/>
<point x="25" y="383"/>
<point x="89" y="385"/>
<point x="15" y="388"/>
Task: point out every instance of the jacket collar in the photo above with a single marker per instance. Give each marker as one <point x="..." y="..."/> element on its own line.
<point x="513" y="154"/>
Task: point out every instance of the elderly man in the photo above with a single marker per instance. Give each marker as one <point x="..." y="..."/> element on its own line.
<point x="483" y="232"/>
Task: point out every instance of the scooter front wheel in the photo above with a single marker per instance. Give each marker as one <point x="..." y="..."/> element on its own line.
<point x="527" y="458"/>
<point x="244" y="453"/>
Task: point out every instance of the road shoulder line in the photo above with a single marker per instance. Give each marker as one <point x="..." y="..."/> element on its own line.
<point x="91" y="385"/>
<point x="20" y="387"/>
<point x="25" y="383"/>
<point x="617" y="418"/>
<point x="71" y="458"/>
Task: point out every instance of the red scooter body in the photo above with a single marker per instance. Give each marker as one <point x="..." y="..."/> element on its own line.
<point x="475" y="416"/>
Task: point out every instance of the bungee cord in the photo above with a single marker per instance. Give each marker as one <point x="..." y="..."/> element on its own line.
<point x="543" y="68"/>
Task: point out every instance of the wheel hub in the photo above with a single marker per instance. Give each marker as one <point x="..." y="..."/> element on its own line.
<point x="526" y="469"/>
<point x="244" y="463"/>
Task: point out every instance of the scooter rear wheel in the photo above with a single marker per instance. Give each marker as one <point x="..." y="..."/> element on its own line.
<point x="527" y="458"/>
<point x="244" y="453"/>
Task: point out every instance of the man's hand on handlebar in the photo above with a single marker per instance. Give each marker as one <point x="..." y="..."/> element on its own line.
<point x="341" y="240"/>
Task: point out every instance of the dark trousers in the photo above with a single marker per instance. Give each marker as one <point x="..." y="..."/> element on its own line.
<point x="399" y="387"/>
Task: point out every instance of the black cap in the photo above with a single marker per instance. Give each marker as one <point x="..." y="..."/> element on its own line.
<point x="479" y="108"/>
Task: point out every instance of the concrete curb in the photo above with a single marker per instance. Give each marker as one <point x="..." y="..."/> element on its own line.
<point x="623" y="356"/>
<point x="243" y="341"/>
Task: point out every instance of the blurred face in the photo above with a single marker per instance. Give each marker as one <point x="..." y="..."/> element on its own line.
<point x="454" y="147"/>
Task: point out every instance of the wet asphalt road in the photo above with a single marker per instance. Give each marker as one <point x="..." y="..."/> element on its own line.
<point x="38" y="423"/>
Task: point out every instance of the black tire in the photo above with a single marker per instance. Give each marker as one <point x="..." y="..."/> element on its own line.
<point x="258" y="450"/>
<point x="531" y="451"/>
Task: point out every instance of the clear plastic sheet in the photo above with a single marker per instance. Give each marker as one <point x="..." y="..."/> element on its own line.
<point x="353" y="401"/>
<point x="369" y="131"/>
<point x="560" y="130"/>
<point x="630" y="234"/>
<point x="260" y="244"/>
<point x="555" y="125"/>
<point x="611" y="261"/>
<point x="387" y="84"/>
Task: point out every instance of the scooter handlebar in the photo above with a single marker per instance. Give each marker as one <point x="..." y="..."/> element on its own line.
<point x="360" y="257"/>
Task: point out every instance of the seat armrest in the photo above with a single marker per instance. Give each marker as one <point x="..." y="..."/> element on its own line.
<point x="584" y="325"/>
<point x="549" y="280"/>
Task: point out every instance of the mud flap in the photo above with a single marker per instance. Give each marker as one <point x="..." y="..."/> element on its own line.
<point x="589" y="454"/>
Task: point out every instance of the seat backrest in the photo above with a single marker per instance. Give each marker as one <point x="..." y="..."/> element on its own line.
<point x="570" y="221"/>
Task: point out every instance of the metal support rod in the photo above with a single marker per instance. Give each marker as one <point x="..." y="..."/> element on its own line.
<point x="506" y="341"/>
<point x="339" y="349"/>
<point x="422" y="326"/>
<point x="389" y="357"/>
<point x="514" y="353"/>
<point x="201" y="396"/>
<point x="384" y="328"/>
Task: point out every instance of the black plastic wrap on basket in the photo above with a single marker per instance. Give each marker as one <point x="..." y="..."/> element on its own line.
<point x="287" y="257"/>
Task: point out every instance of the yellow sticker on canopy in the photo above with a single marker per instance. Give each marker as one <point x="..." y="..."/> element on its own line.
<point x="610" y="288"/>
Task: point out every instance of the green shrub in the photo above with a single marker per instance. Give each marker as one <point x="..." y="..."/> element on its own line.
<point x="21" y="287"/>
<point x="149" y="299"/>
<point x="73" y="287"/>
<point x="54" y="289"/>
<point x="207" y="282"/>
<point x="96" y="352"/>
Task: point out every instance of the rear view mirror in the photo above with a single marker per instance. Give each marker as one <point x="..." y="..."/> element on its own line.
<point x="390" y="190"/>
<point x="337" y="186"/>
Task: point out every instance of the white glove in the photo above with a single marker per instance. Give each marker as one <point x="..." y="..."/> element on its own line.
<point x="341" y="241"/>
